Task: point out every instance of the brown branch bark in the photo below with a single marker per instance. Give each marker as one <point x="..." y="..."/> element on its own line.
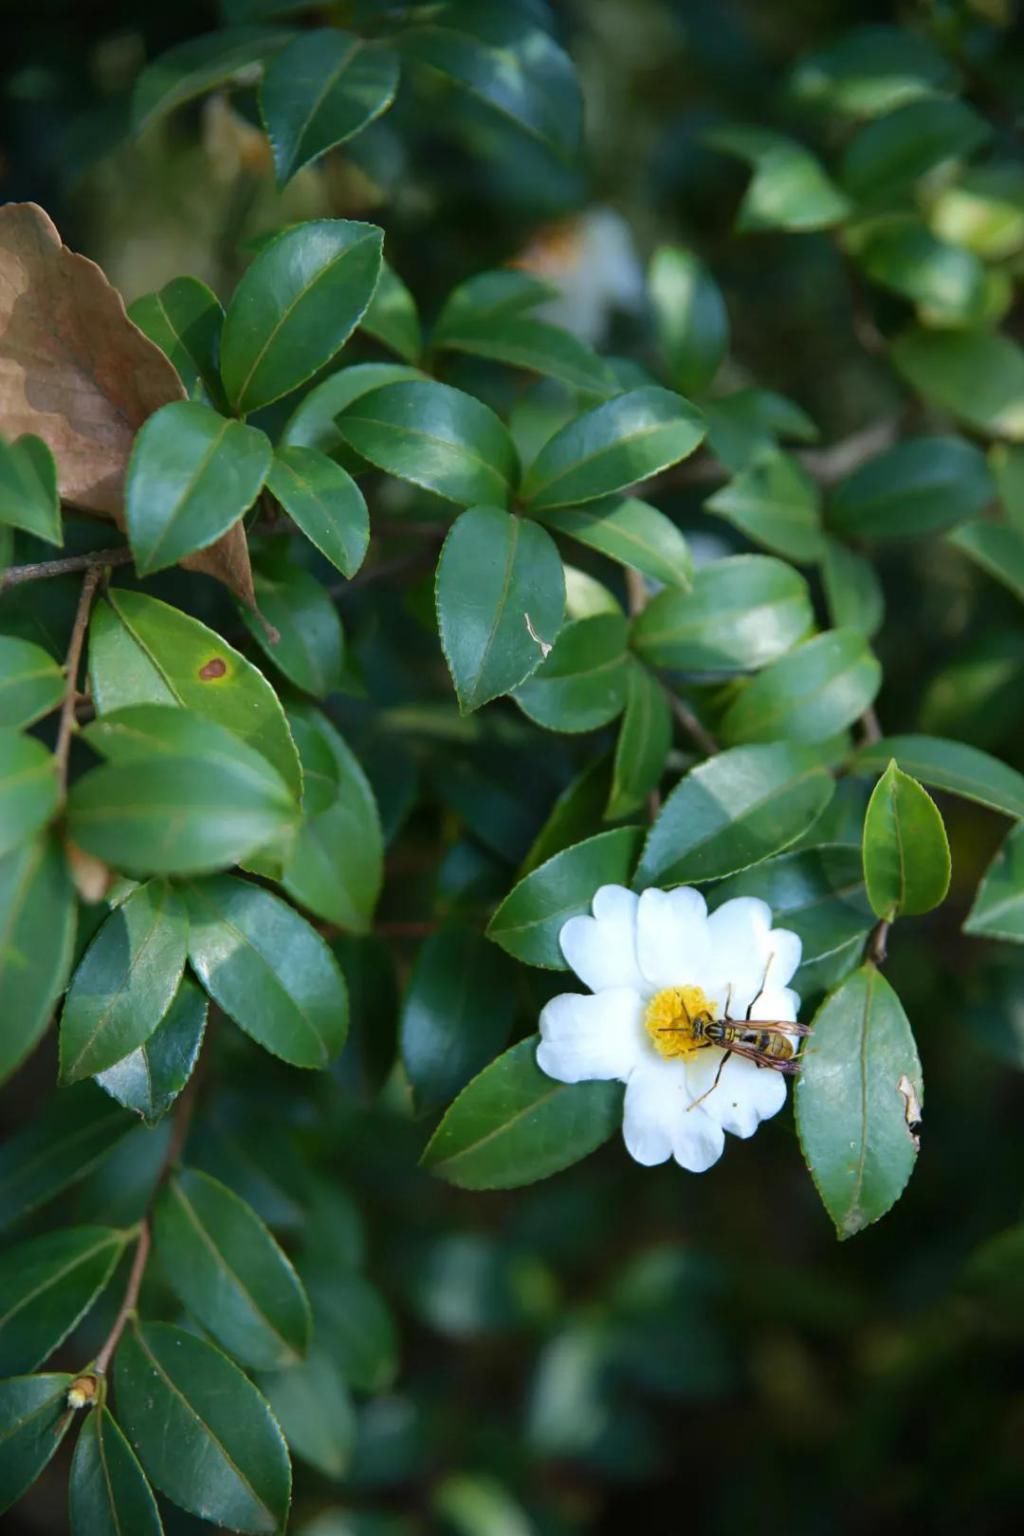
<point x="97" y="559"/>
<point x="72" y="663"/>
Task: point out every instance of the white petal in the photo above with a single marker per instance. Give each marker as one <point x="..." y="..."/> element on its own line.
<point x="672" y="941"/>
<point x="657" y="1123"/>
<point x="739" y="932"/>
<point x="777" y="1003"/>
<point x="785" y="948"/>
<point x="588" y="1038"/>
<point x="602" y="949"/>
<point x="745" y="1093"/>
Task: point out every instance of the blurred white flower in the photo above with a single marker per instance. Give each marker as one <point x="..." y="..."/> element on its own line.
<point x="655" y="963"/>
<point x="592" y="260"/>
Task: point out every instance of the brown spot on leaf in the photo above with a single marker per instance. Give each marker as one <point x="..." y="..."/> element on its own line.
<point x="911" y="1108"/>
<point x="215" y="667"/>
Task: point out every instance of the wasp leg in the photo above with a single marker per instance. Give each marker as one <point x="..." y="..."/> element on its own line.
<point x="760" y="991"/>
<point x="714" y="1085"/>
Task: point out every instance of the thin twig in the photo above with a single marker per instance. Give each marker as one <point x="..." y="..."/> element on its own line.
<point x="98" y="558"/>
<point x="877" y="947"/>
<point x="698" y="733"/>
<point x="93" y="576"/>
<point x="870" y="730"/>
<point x="129" y="1302"/>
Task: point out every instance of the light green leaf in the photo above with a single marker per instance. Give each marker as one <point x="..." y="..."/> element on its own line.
<point x="983" y="210"/>
<point x="906" y="851"/>
<point x="998" y="908"/>
<point x="71" y="1133"/>
<point x="630" y="532"/>
<point x="28" y="489"/>
<point x="998" y="548"/>
<point x="185" y="320"/>
<point x="815" y="692"/>
<point x="528" y="922"/>
<point x="978" y="376"/>
<point x="690" y="318"/>
<point x="149" y="1079"/>
<point x="853" y="591"/>
<point x="310" y="646"/>
<point x="952" y="766"/>
<point x="582" y="684"/>
<point x="47" y="1285"/>
<point x="887" y="156"/>
<point x="776" y="504"/>
<point x="325" y="502"/>
<point x="788" y="190"/>
<point x="872" y="69"/>
<point x="108" y="1492"/>
<point x="645" y="738"/>
<point x="921" y="486"/>
<point x="392" y="317"/>
<point x="200" y="65"/>
<point x="945" y="282"/>
<point x="457" y="1013"/>
<point x="311" y="1403"/>
<point x="35" y="1418"/>
<point x="28" y="788"/>
<point x="31" y="683"/>
<point x="37" y="931"/>
<point x="320" y="90"/>
<point x="1007" y="465"/>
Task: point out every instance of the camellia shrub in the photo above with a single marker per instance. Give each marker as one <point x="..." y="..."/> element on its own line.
<point x="440" y="736"/>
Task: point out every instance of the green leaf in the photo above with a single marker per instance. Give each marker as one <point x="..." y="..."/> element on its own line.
<point x="224" y="1265"/>
<point x="178" y="795"/>
<point x="742" y="613"/>
<point x="886" y="157"/>
<point x="857" y="1101"/>
<point x="149" y="1079"/>
<point x="310" y="645"/>
<point x="125" y="982"/>
<point x="815" y="692"/>
<point x="947" y="283"/>
<point x="645" y="738"/>
<point x="575" y="815"/>
<point x="312" y="423"/>
<point x="978" y="376"/>
<point x="142" y="651"/>
<point x="185" y="320"/>
<point x="776" y="504"/>
<point x="872" y="69"/>
<point x="311" y="1403"/>
<point x="998" y="908"/>
<point x="436" y="437"/>
<point x="750" y="422"/>
<point x="37" y="932"/>
<point x="906" y="851"/>
<point x="324" y="88"/>
<point x="34" y="1419"/>
<point x="191" y="475"/>
<point x="788" y="190"/>
<point x="296" y="306"/>
<point x="952" y="766"/>
<point x="457" y="1013"/>
<point x="524" y="342"/>
<point x="325" y="502"/>
<point x="108" y="1492"/>
<point x="1007" y="465"/>
<point x="71" y="1133"/>
<point x="202" y="1431"/>
<point x="28" y="788"/>
<point x="510" y="64"/>
<point x="528" y="922"/>
<point x="921" y="486"/>
<point x="489" y="296"/>
<point x="500" y="596"/>
<point x="630" y="532"/>
<point x="200" y="65"/>
<point x="513" y="1125"/>
<point x="853" y="591"/>
<point x="48" y="1284"/>
<point x="582" y="684"/>
<point x="626" y="439"/>
<point x="690" y="318"/>
<point x="336" y="865"/>
<point x="31" y="683"/>
<point x="28" y="489"/>
<point x="268" y="969"/>
<point x="998" y="548"/>
<point x="733" y="811"/>
<point x="354" y="1328"/>
<point x="392" y="317"/>
<point x="983" y="210"/>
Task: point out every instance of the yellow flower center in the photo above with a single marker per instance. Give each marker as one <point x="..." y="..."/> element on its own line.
<point x="675" y="1020"/>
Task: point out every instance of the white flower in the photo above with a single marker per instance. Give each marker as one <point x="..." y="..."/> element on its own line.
<point x="654" y="963"/>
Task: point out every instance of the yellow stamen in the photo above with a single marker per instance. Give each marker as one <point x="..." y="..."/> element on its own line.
<point x="675" y="1017"/>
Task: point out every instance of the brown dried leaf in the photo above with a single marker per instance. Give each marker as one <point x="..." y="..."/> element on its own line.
<point x="78" y="373"/>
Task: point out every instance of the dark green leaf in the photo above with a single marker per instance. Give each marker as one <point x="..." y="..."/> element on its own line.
<point x="354" y="1328"/>
<point x="852" y="589"/>
<point x="31" y="683"/>
<point x="643" y="746"/>
<point x="906" y="851"/>
<point x="946" y="283"/>
<point x="457" y="1013"/>
<point x="885" y="157"/>
<point x="33" y="1421"/>
<point x="810" y="695"/>
<point x="28" y="489"/>
<point x="978" y="376"/>
<point x="1007" y="465"/>
<point x="37" y="930"/>
<point x="857" y="1101"/>
<point x="582" y="684"/>
<point x="750" y="422"/>
<point x="149" y="1079"/>
<point x="185" y="320"/>
<point x="47" y="1285"/>
<point x="950" y="765"/>
<point x="872" y="69"/>
<point x="487" y="297"/>
<point x="310" y="646"/>
<point x="776" y="504"/>
<point x="523" y="342"/>
<point x="28" y="788"/>
<point x="312" y="423"/>
<point x="109" y="1494"/>
<point x="788" y="190"/>
<point x="513" y="1125"/>
<point x="532" y="916"/>
<point x="65" y="1140"/>
<point x="200" y="65"/>
<point x="325" y="502"/>
<point x="997" y="548"/>
<point x="998" y="909"/>
<point x="690" y="317"/>
<point x="296" y="306"/>
<point x="322" y="89"/>
<point x="630" y="532"/>
<point x="392" y="318"/>
<point x="575" y="815"/>
<point x="202" y="1431"/>
<point x="268" y="969"/>
<point x="312" y="1405"/>
<point x="922" y="485"/>
<point x="500" y="598"/>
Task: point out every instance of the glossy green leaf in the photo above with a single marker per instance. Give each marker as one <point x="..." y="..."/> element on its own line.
<point x="47" y="1285"/>
<point x="33" y="1421"/>
<point x="149" y="1079"/>
<point x="31" y="683"/>
<point x="886" y="156"/>
<point x="37" y="930"/>
<point x="645" y="738"/>
<point x="983" y="210"/>
<point x="853" y="591"/>
<point x="296" y="306"/>
<point x="222" y="1262"/>
<point x="919" y="487"/>
<point x="788" y="190"/>
<point x="199" y="65"/>
<point x="776" y="504"/>
<point x="185" y="320"/>
<point x="310" y="646"/>
<point x="71" y="1133"/>
<point x="582" y="684"/>
<point x="733" y="811"/>
<point x="500" y="596"/>
<point x="142" y="651"/>
<point x="857" y="1101"/>
<point x="354" y="1328"/>
<point x="978" y="376"/>
<point x="513" y="1125"/>
<point x="108" y="1492"/>
<point x="203" y="1433"/>
<point x="457" y="1013"/>
<point x="178" y="795"/>
<point x="872" y="69"/>
<point x="268" y="969"/>
<point x="489" y="296"/>
<point x="28" y="788"/>
<point x="998" y="908"/>
<point x="436" y="437"/>
<point x="528" y="922"/>
<point x="392" y="318"/>
<point x="320" y="90"/>
<point x="751" y="422"/>
<point x="945" y="282"/>
<point x="523" y="342"/>
<point x="125" y="982"/>
<point x="906" y="851"/>
<point x="742" y="613"/>
<point x="815" y="692"/>
<point x="613" y="446"/>
<point x="690" y="318"/>
<point x="998" y="548"/>
<point x="630" y="532"/>
<point x="28" y="489"/>
<point x="312" y="423"/>
<point x="336" y="865"/>
<point x="325" y="502"/>
<point x="952" y="766"/>
<point x="311" y="1403"/>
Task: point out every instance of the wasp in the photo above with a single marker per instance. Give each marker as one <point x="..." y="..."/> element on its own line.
<point x="773" y="1043"/>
